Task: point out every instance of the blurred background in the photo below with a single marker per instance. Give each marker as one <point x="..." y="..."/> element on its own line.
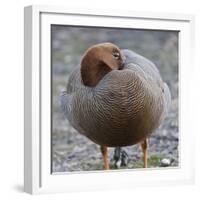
<point x="74" y="152"/>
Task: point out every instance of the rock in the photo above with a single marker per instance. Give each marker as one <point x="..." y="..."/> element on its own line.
<point x="165" y="162"/>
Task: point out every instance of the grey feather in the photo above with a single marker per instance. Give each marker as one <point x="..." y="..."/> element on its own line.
<point x="65" y="102"/>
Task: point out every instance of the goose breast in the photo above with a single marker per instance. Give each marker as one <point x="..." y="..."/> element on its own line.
<point x="125" y="106"/>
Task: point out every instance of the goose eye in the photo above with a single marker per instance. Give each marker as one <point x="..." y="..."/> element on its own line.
<point x="116" y="55"/>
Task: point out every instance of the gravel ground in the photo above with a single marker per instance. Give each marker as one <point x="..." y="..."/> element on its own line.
<point x="74" y="152"/>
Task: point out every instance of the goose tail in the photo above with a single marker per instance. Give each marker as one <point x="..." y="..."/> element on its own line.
<point x="167" y="98"/>
<point x="65" y="103"/>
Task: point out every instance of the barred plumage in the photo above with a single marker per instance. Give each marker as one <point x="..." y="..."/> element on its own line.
<point x="123" y="108"/>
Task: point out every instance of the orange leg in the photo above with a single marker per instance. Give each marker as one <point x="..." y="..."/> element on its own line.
<point x="144" y="145"/>
<point x="104" y="152"/>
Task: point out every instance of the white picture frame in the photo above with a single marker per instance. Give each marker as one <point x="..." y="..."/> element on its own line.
<point x="37" y="145"/>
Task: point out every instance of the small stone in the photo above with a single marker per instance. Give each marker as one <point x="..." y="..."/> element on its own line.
<point x="165" y="162"/>
<point x="118" y="164"/>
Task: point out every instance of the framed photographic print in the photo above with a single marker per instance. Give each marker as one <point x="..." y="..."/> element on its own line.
<point x="106" y="99"/>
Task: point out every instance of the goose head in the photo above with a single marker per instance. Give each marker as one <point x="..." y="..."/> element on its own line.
<point x="99" y="60"/>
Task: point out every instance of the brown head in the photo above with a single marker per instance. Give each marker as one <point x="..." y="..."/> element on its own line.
<point x="98" y="60"/>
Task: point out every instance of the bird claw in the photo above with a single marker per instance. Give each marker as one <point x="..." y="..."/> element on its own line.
<point x="120" y="158"/>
